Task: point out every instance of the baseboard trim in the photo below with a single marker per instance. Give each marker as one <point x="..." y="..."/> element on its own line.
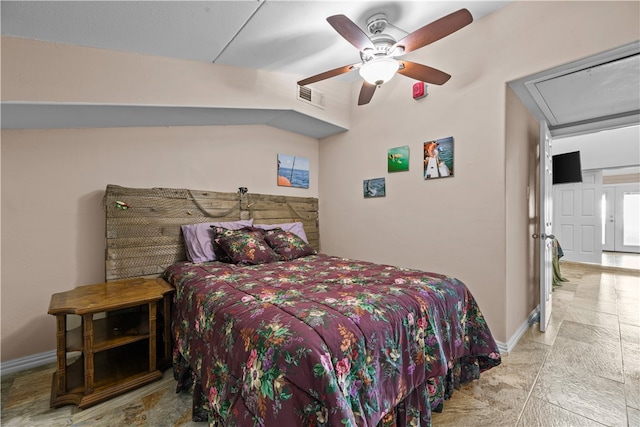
<point x="28" y="362"/>
<point x="506" y="348"/>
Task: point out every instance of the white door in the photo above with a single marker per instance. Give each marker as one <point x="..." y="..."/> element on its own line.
<point x="627" y="218"/>
<point x="577" y="220"/>
<point x="546" y="215"/>
<point x="608" y="218"/>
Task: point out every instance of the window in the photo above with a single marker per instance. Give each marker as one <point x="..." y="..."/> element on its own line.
<point x="631" y="219"/>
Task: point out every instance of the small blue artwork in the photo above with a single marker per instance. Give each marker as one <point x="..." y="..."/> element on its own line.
<point x="374" y="188"/>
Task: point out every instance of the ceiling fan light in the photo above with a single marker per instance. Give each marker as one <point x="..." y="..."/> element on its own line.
<point x="379" y="70"/>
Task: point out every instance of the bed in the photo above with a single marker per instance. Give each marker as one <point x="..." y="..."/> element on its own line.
<point x="306" y="339"/>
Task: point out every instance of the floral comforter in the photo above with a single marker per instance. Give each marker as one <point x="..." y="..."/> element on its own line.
<point x="323" y="341"/>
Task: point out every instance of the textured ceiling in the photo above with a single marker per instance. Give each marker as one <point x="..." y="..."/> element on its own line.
<point x="614" y="87"/>
<point x="294" y="37"/>
<point x="281" y="36"/>
<point x="593" y="94"/>
<point x="284" y="36"/>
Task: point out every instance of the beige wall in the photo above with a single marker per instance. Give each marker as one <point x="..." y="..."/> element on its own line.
<point x="621" y="179"/>
<point x="522" y="137"/>
<point x="52" y="180"/>
<point x="462" y="226"/>
<point x="35" y="71"/>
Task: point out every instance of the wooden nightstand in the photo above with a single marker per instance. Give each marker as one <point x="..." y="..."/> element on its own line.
<point x="121" y="341"/>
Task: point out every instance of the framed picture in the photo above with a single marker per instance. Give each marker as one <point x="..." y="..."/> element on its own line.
<point x="438" y="158"/>
<point x="293" y="171"/>
<point x="375" y="187"/>
<point x="398" y="159"/>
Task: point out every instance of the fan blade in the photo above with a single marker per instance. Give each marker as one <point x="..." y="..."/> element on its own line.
<point x="350" y="31"/>
<point x="326" y="75"/>
<point x="423" y="73"/>
<point x="435" y="31"/>
<point x="366" y="93"/>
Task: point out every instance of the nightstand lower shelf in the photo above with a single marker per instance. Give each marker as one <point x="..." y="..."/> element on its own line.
<point x="123" y="381"/>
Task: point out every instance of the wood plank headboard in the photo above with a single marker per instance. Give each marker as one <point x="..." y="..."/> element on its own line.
<point x="143" y="234"/>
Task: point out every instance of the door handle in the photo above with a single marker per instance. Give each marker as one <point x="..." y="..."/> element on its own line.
<point x="543" y="236"/>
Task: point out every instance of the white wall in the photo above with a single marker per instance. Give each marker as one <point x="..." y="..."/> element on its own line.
<point x="601" y="150"/>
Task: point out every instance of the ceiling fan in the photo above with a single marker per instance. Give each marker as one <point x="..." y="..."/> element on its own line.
<point x="379" y="52"/>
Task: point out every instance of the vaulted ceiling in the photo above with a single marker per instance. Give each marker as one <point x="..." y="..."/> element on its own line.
<point x="290" y="37"/>
<point x="294" y="37"/>
<point x="284" y="36"/>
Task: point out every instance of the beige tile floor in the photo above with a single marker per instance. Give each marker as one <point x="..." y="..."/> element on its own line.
<point x="584" y="371"/>
<point x="621" y="259"/>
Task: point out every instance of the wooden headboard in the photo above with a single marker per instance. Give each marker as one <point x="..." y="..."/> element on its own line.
<point x="143" y="224"/>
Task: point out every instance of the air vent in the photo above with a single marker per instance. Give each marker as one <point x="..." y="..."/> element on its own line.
<point x="311" y="96"/>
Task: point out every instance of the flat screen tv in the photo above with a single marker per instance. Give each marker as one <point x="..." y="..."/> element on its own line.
<point x="567" y="168"/>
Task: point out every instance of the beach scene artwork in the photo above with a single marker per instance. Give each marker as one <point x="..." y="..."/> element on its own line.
<point x="293" y="171"/>
<point x="438" y="158"/>
<point x="374" y="187"/>
<point x="398" y="159"/>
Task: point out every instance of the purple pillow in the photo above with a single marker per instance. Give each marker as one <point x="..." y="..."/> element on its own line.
<point x="247" y="247"/>
<point x="198" y="238"/>
<point x="287" y="244"/>
<point x="295" y="227"/>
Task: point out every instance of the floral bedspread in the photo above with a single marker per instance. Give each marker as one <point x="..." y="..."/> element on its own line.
<point x="323" y="341"/>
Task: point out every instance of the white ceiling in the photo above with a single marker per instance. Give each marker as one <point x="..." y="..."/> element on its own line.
<point x="593" y="94"/>
<point x="614" y="98"/>
<point x="283" y="36"/>
<point x="280" y="36"/>
<point x="291" y="37"/>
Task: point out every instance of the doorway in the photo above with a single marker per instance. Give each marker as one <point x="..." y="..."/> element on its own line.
<point x="620" y="207"/>
<point x="577" y="219"/>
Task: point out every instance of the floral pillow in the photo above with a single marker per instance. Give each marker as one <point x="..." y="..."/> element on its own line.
<point x="287" y="244"/>
<point x="218" y="233"/>
<point x="245" y="246"/>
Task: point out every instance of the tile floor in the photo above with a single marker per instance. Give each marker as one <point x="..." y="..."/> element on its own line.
<point x="621" y="260"/>
<point x="584" y="371"/>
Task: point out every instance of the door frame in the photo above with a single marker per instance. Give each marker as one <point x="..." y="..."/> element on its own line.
<point x="608" y="217"/>
<point x="546" y="238"/>
<point x="620" y="190"/>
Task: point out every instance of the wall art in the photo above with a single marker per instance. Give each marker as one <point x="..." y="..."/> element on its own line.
<point x="398" y="159"/>
<point x="293" y="171"/>
<point x="438" y="158"/>
<point x="375" y="187"/>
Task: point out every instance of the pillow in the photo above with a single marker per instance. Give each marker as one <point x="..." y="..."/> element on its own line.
<point x="198" y="238"/>
<point x="287" y="244"/>
<point x="294" y="227"/>
<point x="220" y="232"/>
<point x="247" y="247"/>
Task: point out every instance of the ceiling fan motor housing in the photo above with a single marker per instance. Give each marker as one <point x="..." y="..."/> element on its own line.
<point x="377" y="23"/>
<point x="383" y="44"/>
